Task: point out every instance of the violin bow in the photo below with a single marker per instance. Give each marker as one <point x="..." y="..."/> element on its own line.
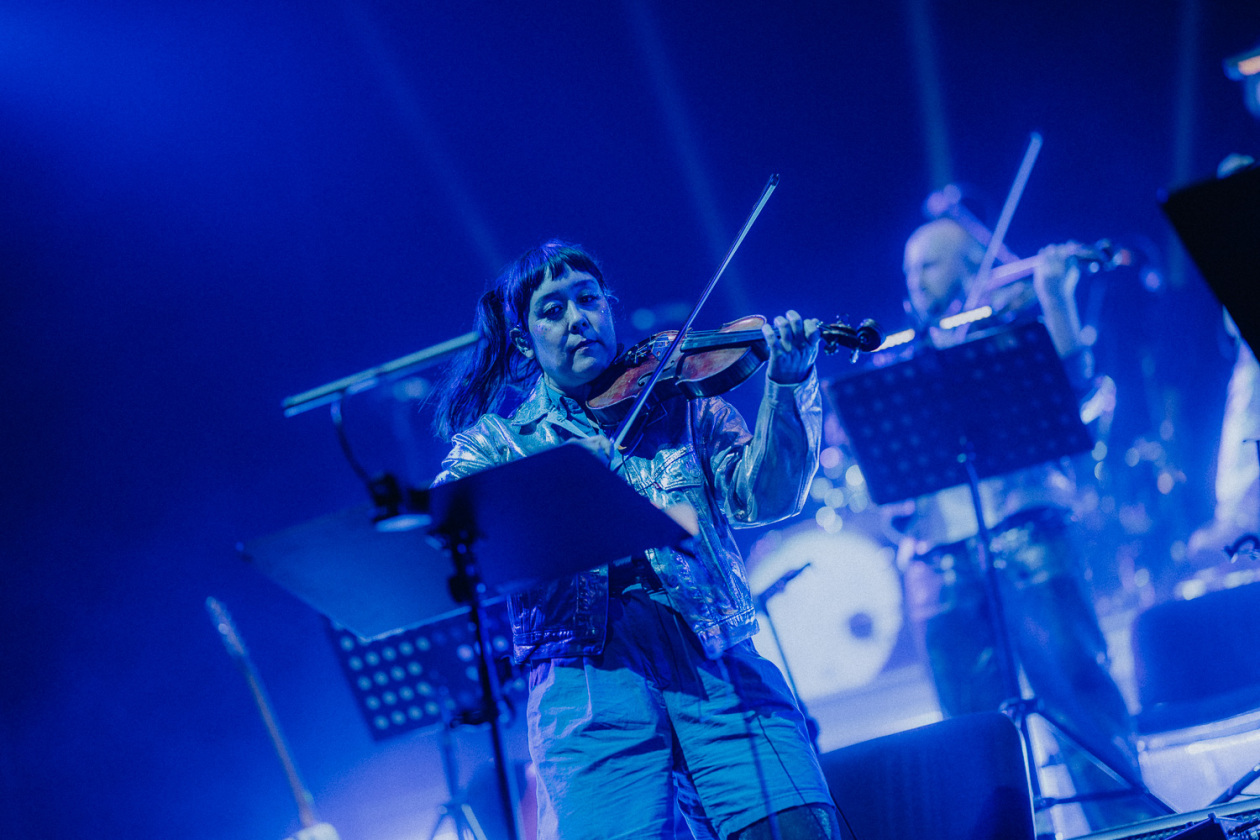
<point x="642" y="399"/>
<point x="981" y="283"/>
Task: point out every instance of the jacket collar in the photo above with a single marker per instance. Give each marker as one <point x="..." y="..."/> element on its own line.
<point x="536" y="406"/>
<point x="543" y="401"/>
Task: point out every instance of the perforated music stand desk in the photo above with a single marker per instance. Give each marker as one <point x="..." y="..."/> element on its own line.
<point x="1001" y="398"/>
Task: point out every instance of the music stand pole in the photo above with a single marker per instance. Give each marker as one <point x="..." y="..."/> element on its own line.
<point x="467" y="588"/>
<point x="997" y="616"/>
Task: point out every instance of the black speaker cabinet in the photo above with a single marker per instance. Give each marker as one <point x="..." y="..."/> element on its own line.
<point x="961" y="779"/>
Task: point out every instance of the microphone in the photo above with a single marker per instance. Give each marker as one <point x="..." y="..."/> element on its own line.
<point x="778" y="586"/>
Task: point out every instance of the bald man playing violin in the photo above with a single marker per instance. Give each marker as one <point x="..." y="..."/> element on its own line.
<point x="1051" y="623"/>
<point x="941" y="262"/>
<point x="645" y="691"/>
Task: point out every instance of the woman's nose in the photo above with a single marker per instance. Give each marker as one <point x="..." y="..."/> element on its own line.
<point x="576" y="317"/>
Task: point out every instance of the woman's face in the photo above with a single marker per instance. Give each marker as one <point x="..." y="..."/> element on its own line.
<point x="571" y="331"/>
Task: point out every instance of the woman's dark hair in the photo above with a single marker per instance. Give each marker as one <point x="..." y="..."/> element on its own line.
<point x="478" y="381"/>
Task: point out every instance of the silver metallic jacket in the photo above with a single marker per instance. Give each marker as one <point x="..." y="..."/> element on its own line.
<point x="699" y="452"/>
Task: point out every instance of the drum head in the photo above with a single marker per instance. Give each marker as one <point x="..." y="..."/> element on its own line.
<point x="839" y="619"/>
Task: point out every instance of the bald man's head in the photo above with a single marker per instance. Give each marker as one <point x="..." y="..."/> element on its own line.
<point x="941" y="260"/>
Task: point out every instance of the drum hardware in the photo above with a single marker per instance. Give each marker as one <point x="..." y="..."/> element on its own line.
<point x="761" y="599"/>
<point x="456" y="809"/>
<point x="833" y="606"/>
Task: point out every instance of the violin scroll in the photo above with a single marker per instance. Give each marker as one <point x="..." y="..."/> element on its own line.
<point x="1103" y="255"/>
<point x="839" y="335"/>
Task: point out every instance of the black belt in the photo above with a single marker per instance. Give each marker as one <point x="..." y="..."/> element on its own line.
<point x="631" y="573"/>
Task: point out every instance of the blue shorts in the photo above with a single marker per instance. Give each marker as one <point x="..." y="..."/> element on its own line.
<point x="617" y="739"/>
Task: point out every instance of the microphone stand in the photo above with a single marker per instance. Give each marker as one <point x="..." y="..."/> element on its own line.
<point x="373" y="376"/>
<point x="811" y="724"/>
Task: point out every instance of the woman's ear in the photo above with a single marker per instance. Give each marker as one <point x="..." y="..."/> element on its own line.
<point x="522" y="343"/>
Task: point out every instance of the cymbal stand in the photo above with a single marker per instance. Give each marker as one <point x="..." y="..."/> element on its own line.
<point x="1249" y="542"/>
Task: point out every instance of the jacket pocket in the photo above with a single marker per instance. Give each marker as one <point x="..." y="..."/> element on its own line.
<point x="678" y="476"/>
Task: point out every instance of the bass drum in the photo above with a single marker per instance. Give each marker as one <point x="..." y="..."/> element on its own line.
<point x="838" y="619"/>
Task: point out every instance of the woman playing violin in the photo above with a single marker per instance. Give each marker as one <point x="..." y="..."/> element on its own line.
<point x="645" y="689"/>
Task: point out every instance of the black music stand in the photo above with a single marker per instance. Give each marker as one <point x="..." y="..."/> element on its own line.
<point x="994" y="404"/>
<point x="370" y="581"/>
<point x="542" y="517"/>
<point x="1217" y="222"/>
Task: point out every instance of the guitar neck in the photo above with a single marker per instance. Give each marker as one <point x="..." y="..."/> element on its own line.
<point x="236" y="649"/>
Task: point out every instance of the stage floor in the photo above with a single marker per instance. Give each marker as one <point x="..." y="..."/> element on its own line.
<point x="1187" y="770"/>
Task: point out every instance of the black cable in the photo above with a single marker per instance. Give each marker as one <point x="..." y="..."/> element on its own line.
<point x="387" y="494"/>
<point x="340" y="427"/>
<point x="732" y="678"/>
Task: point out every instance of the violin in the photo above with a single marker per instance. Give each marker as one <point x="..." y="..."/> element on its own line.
<point x="1101" y="256"/>
<point x="700" y="364"/>
<point x="705" y="363"/>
